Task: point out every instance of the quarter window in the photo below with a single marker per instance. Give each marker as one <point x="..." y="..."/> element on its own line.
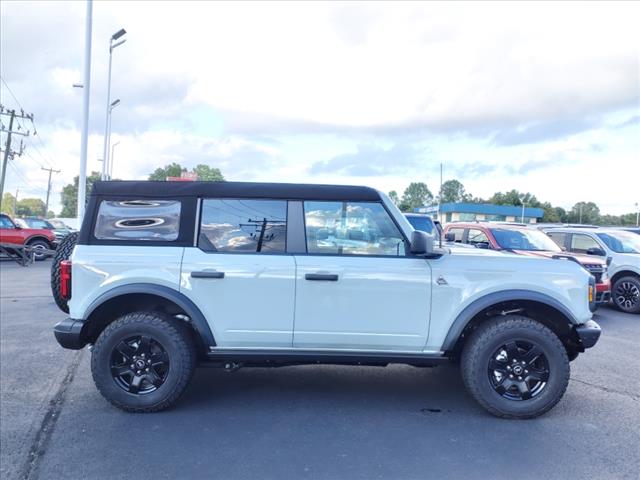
<point x="249" y="226"/>
<point x="138" y="220"/>
<point x="558" y="237"/>
<point x="349" y="228"/>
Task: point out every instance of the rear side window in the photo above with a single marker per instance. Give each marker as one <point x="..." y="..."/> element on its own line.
<point x="345" y="228"/>
<point x="243" y="226"/>
<point x="138" y="220"/>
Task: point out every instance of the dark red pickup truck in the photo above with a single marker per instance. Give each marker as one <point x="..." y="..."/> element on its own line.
<point x="527" y="241"/>
<point x="39" y="239"/>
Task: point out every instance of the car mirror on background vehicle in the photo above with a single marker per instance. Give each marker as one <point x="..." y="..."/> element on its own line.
<point x="596" y="251"/>
<point x="449" y="237"/>
<point x="421" y="243"/>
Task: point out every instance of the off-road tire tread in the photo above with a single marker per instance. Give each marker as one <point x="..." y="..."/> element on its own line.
<point x="496" y="326"/>
<point x="179" y="335"/>
<point x="625" y="278"/>
<point x="63" y="252"/>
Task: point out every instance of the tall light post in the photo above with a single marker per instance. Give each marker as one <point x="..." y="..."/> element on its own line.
<point x="107" y="160"/>
<point x="523" y="205"/>
<point x="82" y="178"/>
<point x="113" y="147"/>
<point x="114" y="42"/>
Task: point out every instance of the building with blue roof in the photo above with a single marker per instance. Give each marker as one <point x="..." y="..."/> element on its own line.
<point x="469" y="212"/>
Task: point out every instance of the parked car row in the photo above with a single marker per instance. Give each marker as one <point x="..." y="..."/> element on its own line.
<point x="41" y="235"/>
<point x="611" y="255"/>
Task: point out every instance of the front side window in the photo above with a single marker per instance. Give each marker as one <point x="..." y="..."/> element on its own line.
<point x="478" y="238"/>
<point x="243" y="226"/>
<point x="351" y="228"/>
<point x="138" y="220"/>
<point x="581" y="243"/>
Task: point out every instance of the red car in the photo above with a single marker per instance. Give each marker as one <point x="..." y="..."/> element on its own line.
<point x="526" y="241"/>
<point x="38" y="238"/>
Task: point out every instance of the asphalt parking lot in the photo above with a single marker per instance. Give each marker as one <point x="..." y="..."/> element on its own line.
<point x="317" y="422"/>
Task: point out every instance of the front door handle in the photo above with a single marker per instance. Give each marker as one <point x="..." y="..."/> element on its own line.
<point x="322" y="277"/>
<point x="207" y="274"/>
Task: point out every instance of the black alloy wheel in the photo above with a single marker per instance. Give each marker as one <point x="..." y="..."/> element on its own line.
<point x="139" y="365"/>
<point x="626" y="294"/>
<point x="518" y="370"/>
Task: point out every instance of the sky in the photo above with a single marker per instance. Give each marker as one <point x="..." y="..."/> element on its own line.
<point x="541" y="97"/>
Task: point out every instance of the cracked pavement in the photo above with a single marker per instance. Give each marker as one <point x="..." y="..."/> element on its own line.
<point x="316" y="422"/>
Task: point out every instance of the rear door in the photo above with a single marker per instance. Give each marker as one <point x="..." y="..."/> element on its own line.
<point x="356" y="288"/>
<point x="239" y="273"/>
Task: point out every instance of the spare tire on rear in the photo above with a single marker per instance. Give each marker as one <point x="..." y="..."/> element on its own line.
<point x="63" y="252"/>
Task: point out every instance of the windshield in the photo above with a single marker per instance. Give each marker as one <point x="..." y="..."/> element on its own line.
<point x="421" y="223"/>
<point x="621" y="242"/>
<point x="521" y="239"/>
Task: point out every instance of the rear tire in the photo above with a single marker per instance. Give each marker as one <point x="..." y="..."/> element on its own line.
<point x="515" y="367"/>
<point x="626" y="294"/>
<point x="63" y="252"/>
<point x="143" y="361"/>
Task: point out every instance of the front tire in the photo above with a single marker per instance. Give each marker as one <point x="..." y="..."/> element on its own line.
<point x="515" y="367"/>
<point x="142" y="362"/>
<point x="39" y="250"/>
<point x="626" y="294"/>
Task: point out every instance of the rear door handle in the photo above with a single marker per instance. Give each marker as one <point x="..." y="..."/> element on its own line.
<point x="321" y="277"/>
<point x="207" y="274"/>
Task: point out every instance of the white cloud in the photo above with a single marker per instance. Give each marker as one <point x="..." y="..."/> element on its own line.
<point x="268" y="90"/>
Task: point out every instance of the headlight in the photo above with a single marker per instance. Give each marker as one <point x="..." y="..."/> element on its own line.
<point x="605" y="276"/>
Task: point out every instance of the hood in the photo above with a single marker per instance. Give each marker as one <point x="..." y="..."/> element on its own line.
<point x="583" y="259"/>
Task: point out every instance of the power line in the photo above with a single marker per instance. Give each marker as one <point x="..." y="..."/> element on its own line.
<point x="33" y="123"/>
<point x="11" y="92"/>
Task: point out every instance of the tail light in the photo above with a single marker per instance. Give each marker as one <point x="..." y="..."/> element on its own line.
<point x="65" y="279"/>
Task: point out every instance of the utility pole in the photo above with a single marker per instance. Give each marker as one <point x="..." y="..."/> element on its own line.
<point x="8" y="153"/>
<point x="46" y="205"/>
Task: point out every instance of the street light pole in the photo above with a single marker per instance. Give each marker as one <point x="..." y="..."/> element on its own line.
<point x="82" y="178"/>
<point x="113" y="147"/>
<point x="107" y="160"/>
<point x="105" y="150"/>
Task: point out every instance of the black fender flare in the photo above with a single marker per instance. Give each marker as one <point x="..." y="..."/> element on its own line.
<point x="477" y="306"/>
<point x="198" y="320"/>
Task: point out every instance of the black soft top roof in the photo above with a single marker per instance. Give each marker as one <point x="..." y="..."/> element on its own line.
<point x="293" y="191"/>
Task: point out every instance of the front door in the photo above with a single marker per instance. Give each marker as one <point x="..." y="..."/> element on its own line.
<point x="355" y="287"/>
<point x="240" y="275"/>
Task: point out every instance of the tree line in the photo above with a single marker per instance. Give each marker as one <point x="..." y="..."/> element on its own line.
<point x="417" y="194"/>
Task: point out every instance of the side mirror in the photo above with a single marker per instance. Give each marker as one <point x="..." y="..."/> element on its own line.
<point x="596" y="251"/>
<point x="421" y="243"/>
<point x="449" y="237"/>
<point x="483" y="245"/>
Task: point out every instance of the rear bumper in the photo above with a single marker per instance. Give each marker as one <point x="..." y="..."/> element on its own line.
<point x="588" y="333"/>
<point x="69" y="333"/>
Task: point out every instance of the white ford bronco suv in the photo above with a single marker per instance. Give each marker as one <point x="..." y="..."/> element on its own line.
<point x="165" y="275"/>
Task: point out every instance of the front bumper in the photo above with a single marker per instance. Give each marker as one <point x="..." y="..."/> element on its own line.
<point x="69" y="333"/>
<point x="588" y="333"/>
<point x="602" y="298"/>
